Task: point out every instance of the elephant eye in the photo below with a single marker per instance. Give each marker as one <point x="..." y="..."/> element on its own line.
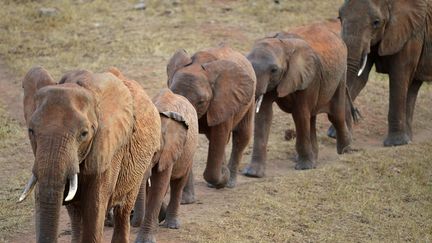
<point x="274" y="70"/>
<point x="30" y="131"/>
<point x="376" y="23"/>
<point x="200" y="103"/>
<point x="84" y="134"/>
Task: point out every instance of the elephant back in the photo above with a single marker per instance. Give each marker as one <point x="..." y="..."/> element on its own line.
<point x="145" y="140"/>
<point x="328" y="46"/>
<point x="166" y="101"/>
<point x="178" y="108"/>
<point x="224" y="52"/>
<point x="322" y="38"/>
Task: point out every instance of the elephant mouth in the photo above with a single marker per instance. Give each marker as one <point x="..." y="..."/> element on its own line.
<point x="70" y="191"/>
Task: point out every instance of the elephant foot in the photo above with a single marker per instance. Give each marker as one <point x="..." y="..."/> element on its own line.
<point x="135" y="222"/>
<point x="396" y="139"/>
<point x="331" y="132"/>
<point x="147" y="239"/>
<point x="173" y="223"/>
<point x="232" y="182"/>
<point x="187" y="197"/>
<point x="305" y="165"/>
<point x="254" y="169"/>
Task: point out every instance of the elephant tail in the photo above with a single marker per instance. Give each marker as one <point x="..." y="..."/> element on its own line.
<point x="355" y="113"/>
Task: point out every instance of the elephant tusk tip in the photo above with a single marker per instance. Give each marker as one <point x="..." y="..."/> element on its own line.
<point x="73" y="186"/>
<point x="21" y="198"/>
<point x="258" y="103"/>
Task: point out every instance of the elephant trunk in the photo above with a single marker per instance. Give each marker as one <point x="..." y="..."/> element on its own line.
<point x="357" y="70"/>
<point x="48" y="203"/>
<point x="54" y="169"/>
<point x="217" y="176"/>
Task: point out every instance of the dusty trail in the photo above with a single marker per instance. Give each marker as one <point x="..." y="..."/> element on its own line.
<point x="11" y="97"/>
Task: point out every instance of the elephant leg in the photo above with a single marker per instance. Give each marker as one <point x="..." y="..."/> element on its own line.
<point x="303" y="140"/>
<point x="93" y="212"/>
<point x="75" y="215"/>
<point x="313" y="137"/>
<point x="411" y="100"/>
<point x="122" y="219"/>
<point x="177" y="185"/>
<point x="401" y="74"/>
<point x="338" y="119"/>
<point x="157" y="190"/>
<point x="263" y="120"/>
<point x="397" y="134"/>
<point x="241" y="137"/>
<point x="188" y="195"/>
<point x="216" y="173"/>
<point x="139" y="208"/>
<point x="355" y="85"/>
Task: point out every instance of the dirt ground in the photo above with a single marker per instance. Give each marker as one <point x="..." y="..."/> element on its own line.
<point x="376" y="194"/>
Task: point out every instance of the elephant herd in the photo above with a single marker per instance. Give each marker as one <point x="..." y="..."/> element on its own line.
<point x="100" y="143"/>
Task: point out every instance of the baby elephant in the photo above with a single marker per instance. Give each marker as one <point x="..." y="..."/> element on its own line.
<point x="172" y="164"/>
<point x="304" y="72"/>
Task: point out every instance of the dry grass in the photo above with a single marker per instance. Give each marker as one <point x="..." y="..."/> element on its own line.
<point x="378" y="194"/>
<point x="384" y="195"/>
<point x="14" y="218"/>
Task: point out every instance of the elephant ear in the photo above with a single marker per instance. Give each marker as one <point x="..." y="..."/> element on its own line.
<point x="177" y="61"/>
<point x="233" y="88"/>
<point x="407" y="17"/>
<point x="34" y="80"/>
<point x="174" y="135"/>
<point x="302" y="67"/>
<point x="114" y="111"/>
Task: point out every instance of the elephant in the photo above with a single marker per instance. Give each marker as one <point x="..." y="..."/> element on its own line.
<point x="220" y="83"/>
<point x="93" y="137"/>
<point x="171" y="165"/>
<point x="395" y="36"/>
<point x="304" y="72"/>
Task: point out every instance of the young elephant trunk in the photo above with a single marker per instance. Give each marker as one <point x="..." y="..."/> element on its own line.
<point x="217" y="177"/>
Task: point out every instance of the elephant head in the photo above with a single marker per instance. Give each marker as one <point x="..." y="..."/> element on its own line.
<point x="283" y="63"/>
<point x="386" y="25"/>
<point x="75" y="128"/>
<point x="216" y="88"/>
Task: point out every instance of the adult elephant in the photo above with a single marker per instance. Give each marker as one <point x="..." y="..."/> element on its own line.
<point x="93" y="136"/>
<point x="304" y="72"/>
<point x="396" y="36"/>
<point x="220" y="84"/>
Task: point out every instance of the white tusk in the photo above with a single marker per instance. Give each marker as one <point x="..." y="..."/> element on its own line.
<point x="73" y="187"/>
<point x="149" y="182"/>
<point x="28" y="188"/>
<point x="363" y="65"/>
<point x="258" y="103"/>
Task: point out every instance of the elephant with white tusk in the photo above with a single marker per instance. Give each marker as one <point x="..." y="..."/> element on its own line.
<point x="93" y="136"/>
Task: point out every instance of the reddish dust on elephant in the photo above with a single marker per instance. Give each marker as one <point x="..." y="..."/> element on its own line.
<point x="93" y="137"/>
